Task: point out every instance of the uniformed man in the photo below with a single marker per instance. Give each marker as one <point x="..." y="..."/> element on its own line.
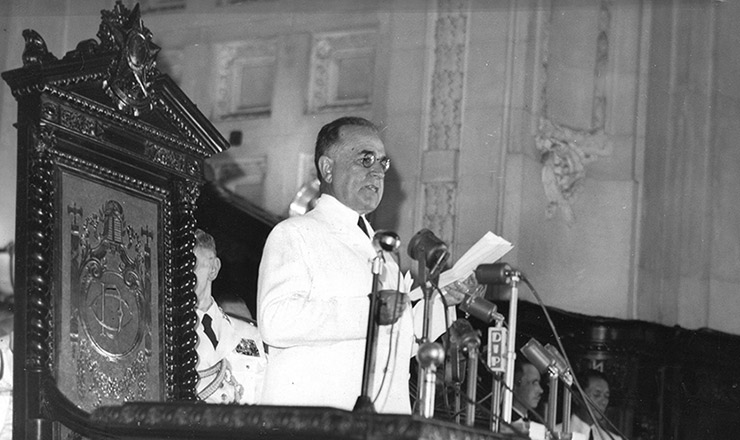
<point x="231" y="356"/>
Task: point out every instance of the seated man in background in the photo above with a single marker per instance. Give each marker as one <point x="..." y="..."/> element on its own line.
<point x="527" y="391"/>
<point x="596" y="388"/>
<point x="231" y="357"/>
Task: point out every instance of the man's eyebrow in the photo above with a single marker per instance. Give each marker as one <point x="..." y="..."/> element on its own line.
<point x="366" y="152"/>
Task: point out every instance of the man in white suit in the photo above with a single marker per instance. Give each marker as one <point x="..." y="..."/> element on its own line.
<point x="315" y="278"/>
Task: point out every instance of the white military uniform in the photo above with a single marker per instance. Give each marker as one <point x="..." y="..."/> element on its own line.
<point x="6" y="387"/>
<point x="314" y="281"/>
<point x="232" y="365"/>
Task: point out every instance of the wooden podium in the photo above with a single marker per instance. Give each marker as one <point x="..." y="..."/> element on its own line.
<point x="200" y="421"/>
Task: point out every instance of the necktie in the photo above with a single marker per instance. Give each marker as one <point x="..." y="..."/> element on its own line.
<point x="361" y="224"/>
<point x="209" y="330"/>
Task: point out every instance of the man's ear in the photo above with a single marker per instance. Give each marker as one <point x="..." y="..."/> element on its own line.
<point x="215" y="267"/>
<point x="326" y="165"/>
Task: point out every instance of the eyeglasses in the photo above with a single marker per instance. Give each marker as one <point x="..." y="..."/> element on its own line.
<point x="369" y="159"/>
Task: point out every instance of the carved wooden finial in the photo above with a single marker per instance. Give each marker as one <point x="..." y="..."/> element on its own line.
<point x="35" y="52"/>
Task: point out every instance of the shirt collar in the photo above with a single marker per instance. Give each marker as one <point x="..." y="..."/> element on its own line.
<point x="340" y="212"/>
<point x="212" y="309"/>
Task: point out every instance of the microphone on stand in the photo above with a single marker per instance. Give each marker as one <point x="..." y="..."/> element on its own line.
<point x="479" y="307"/>
<point x="382" y="241"/>
<point x="385" y="240"/>
<point x="496" y="273"/>
<point x="462" y="337"/>
<point x="465" y="340"/>
<point x="431" y="254"/>
<point x="474" y="303"/>
<point x="427" y="248"/>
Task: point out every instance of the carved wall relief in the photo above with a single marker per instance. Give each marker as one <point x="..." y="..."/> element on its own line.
<point x="445" y="114"/>
<point x="565" y="151"/>
<point x="342" y="71"/>
<point x="245" y="78"/>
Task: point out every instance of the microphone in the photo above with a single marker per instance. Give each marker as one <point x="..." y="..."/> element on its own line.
<point x="480" y="308"/>
<point x="463" y="337"/>
<point x="427" y="248"/>
<point x="561" y="364"/>
<point x="386" y="240"/>
<point x="496" y="273"/>
<point x="547" y="359"/>
<point x="538" y="356"/>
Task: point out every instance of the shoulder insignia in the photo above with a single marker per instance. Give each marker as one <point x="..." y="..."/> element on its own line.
<point x="247" y="347"/>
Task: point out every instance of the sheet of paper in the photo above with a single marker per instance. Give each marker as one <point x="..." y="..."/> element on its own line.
<point x="488" y="249"/>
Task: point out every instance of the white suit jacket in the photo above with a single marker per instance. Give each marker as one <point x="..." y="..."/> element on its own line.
<point x="314" y="281"/>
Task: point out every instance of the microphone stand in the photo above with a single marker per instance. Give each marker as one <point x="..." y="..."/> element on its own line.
<point x="430" y="354"/>
<point x="472" y="348"/>
<point x="496" y="339"/>
<point x="495" y="420"/>
<point x="364" y="403"/>
<point x="511" y="348"/>
<point x="565" y="433"/>
<point x="552" y="400"/>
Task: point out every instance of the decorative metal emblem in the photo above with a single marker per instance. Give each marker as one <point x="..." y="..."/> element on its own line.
<point x="133" y="71"/>
<point x="112" y="268"/>
<point x="111" y="286"/>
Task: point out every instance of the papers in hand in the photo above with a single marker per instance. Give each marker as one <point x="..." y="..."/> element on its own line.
<point x="488" y="249"/>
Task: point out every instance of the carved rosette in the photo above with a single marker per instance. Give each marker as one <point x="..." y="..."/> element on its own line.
<point x="564" y="152"/>
<point x="186" y="193"/>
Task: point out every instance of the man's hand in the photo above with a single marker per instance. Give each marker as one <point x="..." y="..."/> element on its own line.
<point x="391" y="305"/>
<point x="456" y="292"/>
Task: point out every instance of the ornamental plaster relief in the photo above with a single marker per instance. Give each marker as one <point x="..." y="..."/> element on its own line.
<point x="565" y="151"/>
<point x="342" y="71"/>
<point x="445" y="114"/>
<point x="237" y="62"/>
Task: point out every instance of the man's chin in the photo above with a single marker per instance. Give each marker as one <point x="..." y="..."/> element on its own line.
<point x="369" y="204"/>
